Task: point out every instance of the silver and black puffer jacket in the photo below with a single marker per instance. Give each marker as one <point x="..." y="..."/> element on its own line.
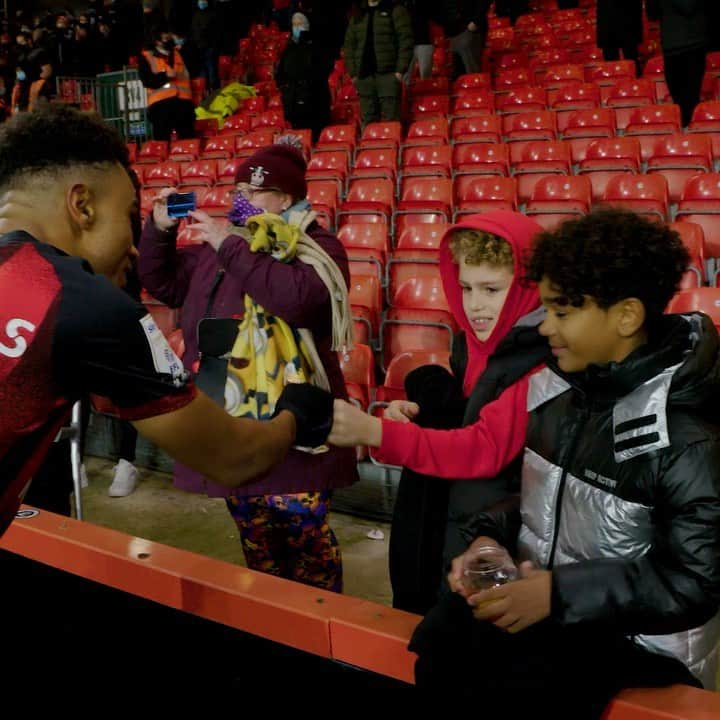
<point x="621" y="494"/>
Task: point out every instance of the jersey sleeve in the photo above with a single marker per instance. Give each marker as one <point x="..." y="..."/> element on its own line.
<point x="107" y="344"/>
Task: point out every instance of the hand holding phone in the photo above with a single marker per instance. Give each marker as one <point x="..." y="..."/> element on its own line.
<point x="180" y="204"/>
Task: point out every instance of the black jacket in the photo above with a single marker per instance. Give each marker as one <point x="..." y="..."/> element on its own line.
<point x="621" y="492"/>
<point x="684" y="24"/>
<point x="430" y="512"/>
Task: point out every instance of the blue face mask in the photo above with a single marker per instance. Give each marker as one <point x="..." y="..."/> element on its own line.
<point x="20" y="75"/>
<point x="179" y="42"/>
<point x="202" y="5"/>
<point x="297" y="31"/>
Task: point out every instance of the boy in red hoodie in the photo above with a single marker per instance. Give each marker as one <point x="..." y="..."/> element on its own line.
<point x="481" y="404"/>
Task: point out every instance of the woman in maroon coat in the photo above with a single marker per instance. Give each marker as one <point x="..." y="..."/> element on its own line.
<point x="283" y="517"/>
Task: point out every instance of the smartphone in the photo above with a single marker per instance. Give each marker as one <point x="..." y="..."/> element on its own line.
<point x="180" y="204"/>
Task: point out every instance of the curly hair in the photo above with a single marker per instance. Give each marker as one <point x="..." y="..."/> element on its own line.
<point x="54" y="139"/>
<point x="476" y="247"/>
<point x="609" y="255"/>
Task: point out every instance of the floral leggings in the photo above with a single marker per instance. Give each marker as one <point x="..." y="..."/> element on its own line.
<point x="289" y="536"/>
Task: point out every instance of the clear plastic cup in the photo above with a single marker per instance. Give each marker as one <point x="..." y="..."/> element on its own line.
<point x="486" y="567"/>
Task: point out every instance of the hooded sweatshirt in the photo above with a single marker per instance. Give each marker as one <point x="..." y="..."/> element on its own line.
<point x="485" y="447"/>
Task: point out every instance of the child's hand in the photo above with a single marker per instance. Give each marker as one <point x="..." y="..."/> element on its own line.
<point x="402" y="410"/>
<point x="351" y="427"/>
<point x="207" y="229"/>
<point x="160" y="214"/>
<point x="518" y="604"/>
<point x="455" y="576"/>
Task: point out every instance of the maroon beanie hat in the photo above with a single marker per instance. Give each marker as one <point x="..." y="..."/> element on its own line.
<point x="280" y="167"/>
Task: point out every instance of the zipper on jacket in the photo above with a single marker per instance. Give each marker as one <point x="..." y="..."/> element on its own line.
<point x="569" y="456"/>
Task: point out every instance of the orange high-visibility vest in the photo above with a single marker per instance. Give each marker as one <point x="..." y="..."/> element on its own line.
<point x="179" y="86"/>
<point x="35" y="89"/>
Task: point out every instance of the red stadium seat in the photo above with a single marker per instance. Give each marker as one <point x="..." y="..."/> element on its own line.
<point x="358" y="369"/>
<point x="643" y="194"/>
<point x="227" y="170"/>
<point x="706" y="119"/>
<point x="535" y="159"/>
<point x="473" y="102"/>
<point x="200" y="172"/>
<point x="485" y="128"/>
<point x="366" y="302"/>
<point x="368" y="197"/>
<point x="608" y="157"/>
<point x="434" y="160"/>
<point x="220" y="146"/>
<point x="425" y="195"/>
<point x="184" y="150"/>
<point x="481" y="159"/>
<point x="235" y="125"/>
<point x="581" y="127"/>
<point x="702" y="299"/>
<point x="331" y="165"/>
<point x="678" y="158"/>
<point x="700" y="203"/>
<point x="476" y="194"/>
<point x="629" y="94"/>
<point x="381" y="135"/>
<point x="165" y="174"/>
<point x="428" y="131"/>
<point x="652" y="120"/>
<point x="152" y="151"/>
<point x="693" y="239"/>
<point x="522" y="100"/>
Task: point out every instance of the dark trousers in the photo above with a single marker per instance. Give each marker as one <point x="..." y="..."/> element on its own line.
<point x="128" y="442"/>
<point x="562" y="672"/>
<point x="379" y="97"/>
<point x="417" y="538"/>
<point x="684" y="75"/>
<point x="172" y="114"/>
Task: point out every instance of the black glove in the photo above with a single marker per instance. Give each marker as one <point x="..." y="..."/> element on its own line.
<point x="313" y="411"/>
<point x="439" y="395"/>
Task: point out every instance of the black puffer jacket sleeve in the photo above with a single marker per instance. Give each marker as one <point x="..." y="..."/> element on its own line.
<point x="502" y="525"/>
<point x="676" y="585"/>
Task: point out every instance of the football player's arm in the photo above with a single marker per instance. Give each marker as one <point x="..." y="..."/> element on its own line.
<point x="230" y="451"/>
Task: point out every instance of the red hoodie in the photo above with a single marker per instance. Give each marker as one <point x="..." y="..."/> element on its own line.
<point x="487" y="446"/>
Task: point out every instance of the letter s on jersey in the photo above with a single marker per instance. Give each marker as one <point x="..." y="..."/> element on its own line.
<point x="12" y="331"/>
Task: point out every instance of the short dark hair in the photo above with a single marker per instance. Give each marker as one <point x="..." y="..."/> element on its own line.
<point x="54" y="138"/>
<point x="609" y="255"/>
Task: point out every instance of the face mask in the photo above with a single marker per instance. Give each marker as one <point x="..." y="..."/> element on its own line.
<point x="241" y="210"/>
<point x="20" y="75"/>
<point x="202" y="5"/>
<point x="179" y="42"/>
<point x="297" y="32"/>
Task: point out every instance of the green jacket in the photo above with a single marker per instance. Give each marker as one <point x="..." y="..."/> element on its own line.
<point x="392" y="32"/>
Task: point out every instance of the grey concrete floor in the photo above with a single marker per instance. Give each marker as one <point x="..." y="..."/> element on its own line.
<point x="157" y="511"/>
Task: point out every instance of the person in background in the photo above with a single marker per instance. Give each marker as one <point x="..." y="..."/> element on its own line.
<point x="465" y="23"/>
<point x="167" y="83"/>
<point x="42" y="90"/>
<point x="204" y="34"/>
<point x="620" y="27"/>
<point x="302" y="77"/>
<point x="283" y="518"/>
<point x="378" y="51"/>
<point x="422" y="14"/>
<point x="685" y="30"/>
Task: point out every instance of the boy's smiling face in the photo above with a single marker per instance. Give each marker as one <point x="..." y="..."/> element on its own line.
<point x="484" y="289"/>
<point x="589" y="334"/>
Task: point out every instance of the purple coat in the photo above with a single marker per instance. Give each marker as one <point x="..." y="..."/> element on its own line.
<point x="292" y="291"/>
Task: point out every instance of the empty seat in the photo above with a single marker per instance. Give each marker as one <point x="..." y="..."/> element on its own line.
<point x="475" y="102"/>
<point x="425" y="195"/>
<point x="165" y="174"/>
<point x="237" y="124"/>
<point x="529" y="126"/>
<point x="706" y="119"/>
<point x="227" y="170"/>
<point x="522" y="100"/>
<point x="606" y="158"/>
<point x="324" y="197"/>
<point x="581" y="127"/>
<point x="368" y="197"/>
<point x="378" y="162"/>
<point x="427" y="131"/>
<point x="199" y="172"/>
<point x="184" y="150"/>
<point x="358" y="369"/>
<point x="419" y="319"/>
<point x="629" y="94"/>
<point x="426" y="160"/>
<point x="678" y="158"/>
<point x="381" y="135"/>
<point x="650" y="120"/>
<point x="152" y="151"/>
<point x="485" y="128"/>
<point x="481" y="159"/>
<point x="643" y="194"/>
<point x="366" y="302"/>
<point x="475" y="194"/>
<point x="331" y="165"/>
<point x="531" y="160"/>
<point x="220" y="146"/>
<point x="700" y="203"/>
<point x="570" y="194"/>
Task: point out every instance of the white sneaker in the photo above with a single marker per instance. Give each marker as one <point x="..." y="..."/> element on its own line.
<point x="84" y="482"/>
<point x="124" y="480"/>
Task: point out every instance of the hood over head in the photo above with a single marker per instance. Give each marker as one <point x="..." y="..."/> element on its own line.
<point x="522" y="299"/>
